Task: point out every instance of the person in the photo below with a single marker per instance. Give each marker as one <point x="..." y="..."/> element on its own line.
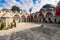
<point x="55" y="20"/>
<point x="40" y="19"/>
<point x="13" y="24"/>
<point x="43" y="20"/>
<point x="50" y="20"/>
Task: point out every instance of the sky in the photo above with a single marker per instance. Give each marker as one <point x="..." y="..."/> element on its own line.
<point x="36" y="5"/>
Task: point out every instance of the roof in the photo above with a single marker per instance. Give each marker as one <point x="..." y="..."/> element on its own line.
<point x="58" y="6"/>
<point x="7" y="14"/>
<point x="48" y="6"/>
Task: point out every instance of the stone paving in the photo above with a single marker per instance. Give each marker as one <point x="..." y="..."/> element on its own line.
<point x="48" y="31"/>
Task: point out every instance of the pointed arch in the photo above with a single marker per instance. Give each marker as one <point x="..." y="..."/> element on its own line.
<point x="16" y="18"/>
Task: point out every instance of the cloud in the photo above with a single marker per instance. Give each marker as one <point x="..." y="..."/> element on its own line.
<point x="36" y="5"/>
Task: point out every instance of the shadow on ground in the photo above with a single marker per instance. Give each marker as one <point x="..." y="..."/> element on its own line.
<point x="45" y="32"/>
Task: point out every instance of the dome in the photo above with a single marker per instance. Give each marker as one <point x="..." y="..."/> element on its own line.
<point x="41" y="9"/>
<point x="58" y="5"/>
<point x="48" y="6"/>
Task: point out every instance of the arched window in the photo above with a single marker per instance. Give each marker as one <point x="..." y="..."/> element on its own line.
<point x="30" y="17"/>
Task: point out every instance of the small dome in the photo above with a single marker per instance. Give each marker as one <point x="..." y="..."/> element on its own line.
<point x="58" y="5"/>
<point x="41" y="9"/>
<point x="48" y="6"/>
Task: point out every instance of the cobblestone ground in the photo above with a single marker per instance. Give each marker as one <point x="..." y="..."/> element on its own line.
<point x="48" y="31"/>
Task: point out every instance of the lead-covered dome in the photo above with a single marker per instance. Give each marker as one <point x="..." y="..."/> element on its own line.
<point x="48" y="6"/>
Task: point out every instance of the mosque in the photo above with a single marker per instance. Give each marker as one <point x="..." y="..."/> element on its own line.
<point x="48" y="13"/>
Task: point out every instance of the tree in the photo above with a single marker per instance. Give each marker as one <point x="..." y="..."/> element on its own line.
<point x="30" y="10"/>
<point x="15" y="8"/>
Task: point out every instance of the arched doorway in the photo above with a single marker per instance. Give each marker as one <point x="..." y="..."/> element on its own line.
<point x="30" y="18"/>
<point x="49" y="16"/>
<point x="35" y="18"/>
<point x="41" y="17"/>
<point x="23" y="18"/>
<point x="16" y="18"/>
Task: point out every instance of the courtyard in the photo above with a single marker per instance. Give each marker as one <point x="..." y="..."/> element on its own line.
<point x="29" y="20"/>
<point x="32" y="31"/>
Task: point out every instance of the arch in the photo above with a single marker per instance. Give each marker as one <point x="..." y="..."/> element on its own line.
<point x="16" y="18"/>
<point x="35" y="16"/>
<point x="23" y="18"/>
<point x="49" y="17"/>
<point x="40" y="15"/>
<point x="49" y="14"/>
<point x="30" y="17"/>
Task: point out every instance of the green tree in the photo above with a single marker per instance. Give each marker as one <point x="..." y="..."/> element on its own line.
<point x="30" y="10"/>
<point x="15" y="8"/>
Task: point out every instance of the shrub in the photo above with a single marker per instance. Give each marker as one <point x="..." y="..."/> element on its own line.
<point x="1" y="25"/>
<point x="13" y="24"/>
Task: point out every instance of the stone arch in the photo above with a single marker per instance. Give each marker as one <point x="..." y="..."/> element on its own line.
<point x="16" y="18"/>
<point x="29" y="17"/>
<point x="35" y="16"/>
<point x="49" y="14"/>
<point x="23" y="18"/>
<point x="41" y="17"/>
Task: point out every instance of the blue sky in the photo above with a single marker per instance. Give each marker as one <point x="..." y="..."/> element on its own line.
<point x="26" y="4"/>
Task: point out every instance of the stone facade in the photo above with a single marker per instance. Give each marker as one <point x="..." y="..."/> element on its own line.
<point x="42" y="16"/>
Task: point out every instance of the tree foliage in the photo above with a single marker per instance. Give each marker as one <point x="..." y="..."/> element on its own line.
<point x="30" y="10"/>
<point x="15" y="8"/>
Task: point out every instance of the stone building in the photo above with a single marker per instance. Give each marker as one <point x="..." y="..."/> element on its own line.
<point x="48" y="13"/>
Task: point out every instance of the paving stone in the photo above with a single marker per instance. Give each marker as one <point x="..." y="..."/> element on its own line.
<point x="47" y="32"/>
